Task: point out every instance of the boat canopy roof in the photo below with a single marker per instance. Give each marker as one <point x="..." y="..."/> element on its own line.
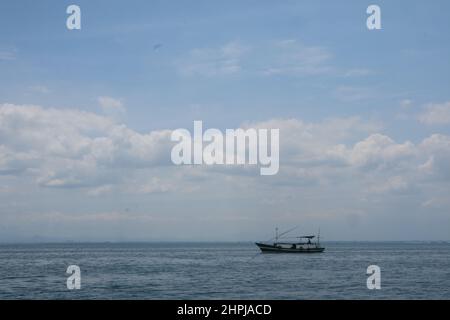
<point x="291" y="243"/>
<point x="306" y="237"/>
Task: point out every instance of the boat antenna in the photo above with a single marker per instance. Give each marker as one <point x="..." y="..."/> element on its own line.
<point x="318" y="237"/>
<point x="283" y="233"/>
<point x="277" y="236"/>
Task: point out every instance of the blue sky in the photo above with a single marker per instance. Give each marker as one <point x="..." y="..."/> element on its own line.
<point x="159" y="65"/>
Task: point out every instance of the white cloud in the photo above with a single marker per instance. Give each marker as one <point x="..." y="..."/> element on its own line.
<point x="358" y="72"/>
<point x="63" y="148"/>
<point x="436" y="149"/>
<point x="40" y="89"/>
<point x="406" y="103"/>
<point x="12" y="161"/>
<point x="289" y="57"/>
<point x="275" y="58"/>
<point x="71" y="148"/>
<point x="352" y="93"/>
<point x="437" y="202"/>
<point x="111" y="107"/>
<point x="155" y="185"/>
<point x="329" y="169"/>
<point x="310" y="143"/>
<point x="108" y="103"/>
<point x="98" y="191"/>
<point x="324" y="154"/>
<point x="379" y="149"/>
<point x="427" y="167"/>
<point x="8" y="54"/>
<point x="224" y="60"/>
<point x="436" y="114"/>
<point x="392" y="184"/>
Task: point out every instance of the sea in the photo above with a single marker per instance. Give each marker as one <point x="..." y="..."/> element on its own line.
<point x="408" y="270"/>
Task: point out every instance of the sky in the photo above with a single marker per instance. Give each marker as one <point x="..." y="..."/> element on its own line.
<point x="86" y="117"/>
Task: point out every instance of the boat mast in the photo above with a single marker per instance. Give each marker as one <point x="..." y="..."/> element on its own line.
<point x="278" y="235"/>
<point x="318" y="238"/>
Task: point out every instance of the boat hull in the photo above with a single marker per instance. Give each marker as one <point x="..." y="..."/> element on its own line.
<point x="267" y="248"/>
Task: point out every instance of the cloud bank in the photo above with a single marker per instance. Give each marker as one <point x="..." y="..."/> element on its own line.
<point x="347" y="162"/>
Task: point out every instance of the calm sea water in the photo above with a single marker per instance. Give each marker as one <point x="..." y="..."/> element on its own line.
<point x="224" y="271"/>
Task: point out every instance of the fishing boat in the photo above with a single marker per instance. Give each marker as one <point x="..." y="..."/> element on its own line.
<point x="304" y="244"/>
